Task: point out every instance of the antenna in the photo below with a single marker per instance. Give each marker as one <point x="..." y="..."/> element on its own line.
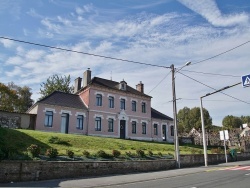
<point x="111" y="75"/>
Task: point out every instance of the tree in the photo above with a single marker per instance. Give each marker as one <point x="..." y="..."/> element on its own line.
<point x="245" y="119"/>
<point x="24" y="101"/>
<point x="56" y="83"/>
<point x="8" y="98"/>
<point x="231" y="122"/>
<point x="189" y="118"/>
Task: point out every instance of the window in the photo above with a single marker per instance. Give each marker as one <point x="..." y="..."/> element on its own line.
<point x="134" y="106"/>
<point x="144" y="131"/>
<point x="98" y="124"/>
<point x="122" y="104"/>
<point x="134" y="127"/>
<point x="155" y="129"/>
<point x="111" y="102"/>
<point x="98" y="100"/>
<point x="111" y="125"/>
<point x="172" y="130"/>
<point x="143" y="107"/>
<point x="79" y="122"/>
<point x="48" y="119"/>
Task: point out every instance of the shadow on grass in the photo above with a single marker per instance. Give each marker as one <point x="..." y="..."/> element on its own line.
<point x="14" y="144"/>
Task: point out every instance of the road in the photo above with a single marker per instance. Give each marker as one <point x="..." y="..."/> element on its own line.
<point x="227" y="175"/>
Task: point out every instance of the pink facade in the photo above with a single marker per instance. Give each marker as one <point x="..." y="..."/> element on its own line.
<point x="57" y="119"/>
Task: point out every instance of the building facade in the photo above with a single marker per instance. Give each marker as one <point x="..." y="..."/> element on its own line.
<point x="103" y="107"/>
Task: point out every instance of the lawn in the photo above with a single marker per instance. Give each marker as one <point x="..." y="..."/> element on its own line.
<point x="19" y="139"/>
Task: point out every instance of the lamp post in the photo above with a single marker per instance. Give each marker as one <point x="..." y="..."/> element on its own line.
<point x="176" y="140"/>
<point x="202" y="120"/>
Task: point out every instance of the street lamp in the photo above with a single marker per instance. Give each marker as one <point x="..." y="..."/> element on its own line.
<point x="176" y="140"/>
<point x="202" y="120"/>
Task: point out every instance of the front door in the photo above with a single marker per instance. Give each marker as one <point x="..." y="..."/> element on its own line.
<point x="122" y="129"/>
<point x="65" y="123"/>
<point x="164" y="132"/>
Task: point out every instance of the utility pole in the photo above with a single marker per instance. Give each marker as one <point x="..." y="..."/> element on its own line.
<point x="202" y="119"/>
<point x="176" y="140"/>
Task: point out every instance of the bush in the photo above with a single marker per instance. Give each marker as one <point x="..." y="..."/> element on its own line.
<point x="129" y="154"/>
<point x="86" y="153"/>
<point x="34" y="150"/>
<point x="216" y="150"/>
<point x="70" y="153"/>
<point x="160" y="154"/>
<point x="150" y="153"/>
<point x="116" y="153"/>
<point x="52" y="153"/>
<point x="140" y="153"/>
<point x="102" y="154"/>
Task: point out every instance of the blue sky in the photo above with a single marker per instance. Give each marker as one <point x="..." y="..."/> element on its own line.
<point x="160" y="32"/>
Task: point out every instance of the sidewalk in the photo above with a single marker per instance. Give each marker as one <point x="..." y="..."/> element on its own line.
<point x="119" y="179"/>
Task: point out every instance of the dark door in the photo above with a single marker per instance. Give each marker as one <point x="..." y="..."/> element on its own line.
<point x="122" y="129"/>
<point x="164" y="132"/>
<point x="65" y="123"/>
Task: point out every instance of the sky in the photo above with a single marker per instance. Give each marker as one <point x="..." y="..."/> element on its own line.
<point x="213" y="35"/>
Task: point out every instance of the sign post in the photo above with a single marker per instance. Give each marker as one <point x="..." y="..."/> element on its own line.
<point x="224" y="136"/>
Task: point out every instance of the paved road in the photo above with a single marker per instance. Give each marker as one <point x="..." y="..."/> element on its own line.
<point x="228" y="175"/>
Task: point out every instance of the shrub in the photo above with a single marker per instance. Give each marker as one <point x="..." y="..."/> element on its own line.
<point x="116" y="153"/>
<point x="34" y="150"/>
<point x="129" y="154"/>
<point x="150" y="153"/>
<point x="160" y="154"/>
<point x="193" y="151"/>
<point x="102" y="154"/>
<point x="70" y="153"/>
<point x="52" y="152"/>
<point x="140" y="153"/>
<point x="86" y="153"/>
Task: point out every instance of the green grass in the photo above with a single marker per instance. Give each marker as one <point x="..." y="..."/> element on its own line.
<point x="19" y="139"/>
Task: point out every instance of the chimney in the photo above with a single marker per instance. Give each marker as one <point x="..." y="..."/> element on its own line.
<point x="86" y="77"/>
<point x="140" y="87"/>
<point x="78" y="83"/>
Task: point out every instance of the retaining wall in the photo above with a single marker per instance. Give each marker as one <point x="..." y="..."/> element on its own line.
<point x="15" y="171"/>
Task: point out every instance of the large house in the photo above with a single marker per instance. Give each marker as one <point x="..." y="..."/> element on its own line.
<point x="103" y="107"/>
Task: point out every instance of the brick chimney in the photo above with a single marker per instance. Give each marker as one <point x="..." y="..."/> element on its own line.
<point x="140" y="87"/>
<point x="86" y="77"/>
<point x="78" y="83"/>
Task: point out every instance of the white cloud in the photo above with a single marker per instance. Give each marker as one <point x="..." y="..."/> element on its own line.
<point x="7" y="43"/>
<point x="210" y="11"/>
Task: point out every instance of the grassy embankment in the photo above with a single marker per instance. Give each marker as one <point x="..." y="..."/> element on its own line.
<point x="19" y="139"/>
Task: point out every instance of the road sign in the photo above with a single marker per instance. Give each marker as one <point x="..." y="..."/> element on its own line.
<point x="245" y="80"/>
<point x="224" y="135"/>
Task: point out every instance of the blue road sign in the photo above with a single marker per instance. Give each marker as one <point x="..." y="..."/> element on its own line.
<point x="245" y="80"/>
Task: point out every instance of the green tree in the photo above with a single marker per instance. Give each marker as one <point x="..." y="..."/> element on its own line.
<point x="56" y="83"/>
<point x="231" y="122"/>
<point x="8" y="98"/>
<point x="24" y="93"/>
<point x="189" y="118"/>
<point x="245" y="119"/>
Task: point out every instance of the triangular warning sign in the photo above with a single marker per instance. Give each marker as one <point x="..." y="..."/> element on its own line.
<point x="247" y="81"/>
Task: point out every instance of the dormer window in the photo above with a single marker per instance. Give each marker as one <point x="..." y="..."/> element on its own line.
<point x="122" y="85"/>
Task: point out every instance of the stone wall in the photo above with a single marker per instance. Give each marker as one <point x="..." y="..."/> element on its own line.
<point x="44" y="170"/>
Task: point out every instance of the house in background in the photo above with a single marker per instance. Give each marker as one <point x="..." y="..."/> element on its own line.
<point x="103" y="107"/>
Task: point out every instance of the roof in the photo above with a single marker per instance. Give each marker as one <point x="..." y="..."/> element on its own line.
<point x="63" y="99"/>
<point x="158" y="115"/>
<point x="114" y="85"/>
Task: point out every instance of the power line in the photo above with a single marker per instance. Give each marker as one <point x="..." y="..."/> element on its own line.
<point x="211" y="73"/>
<point x="214" y="88"/>
<point x="85" y="53"/>
<point x="221" y="53"/>
<point x="159" y="82"/>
